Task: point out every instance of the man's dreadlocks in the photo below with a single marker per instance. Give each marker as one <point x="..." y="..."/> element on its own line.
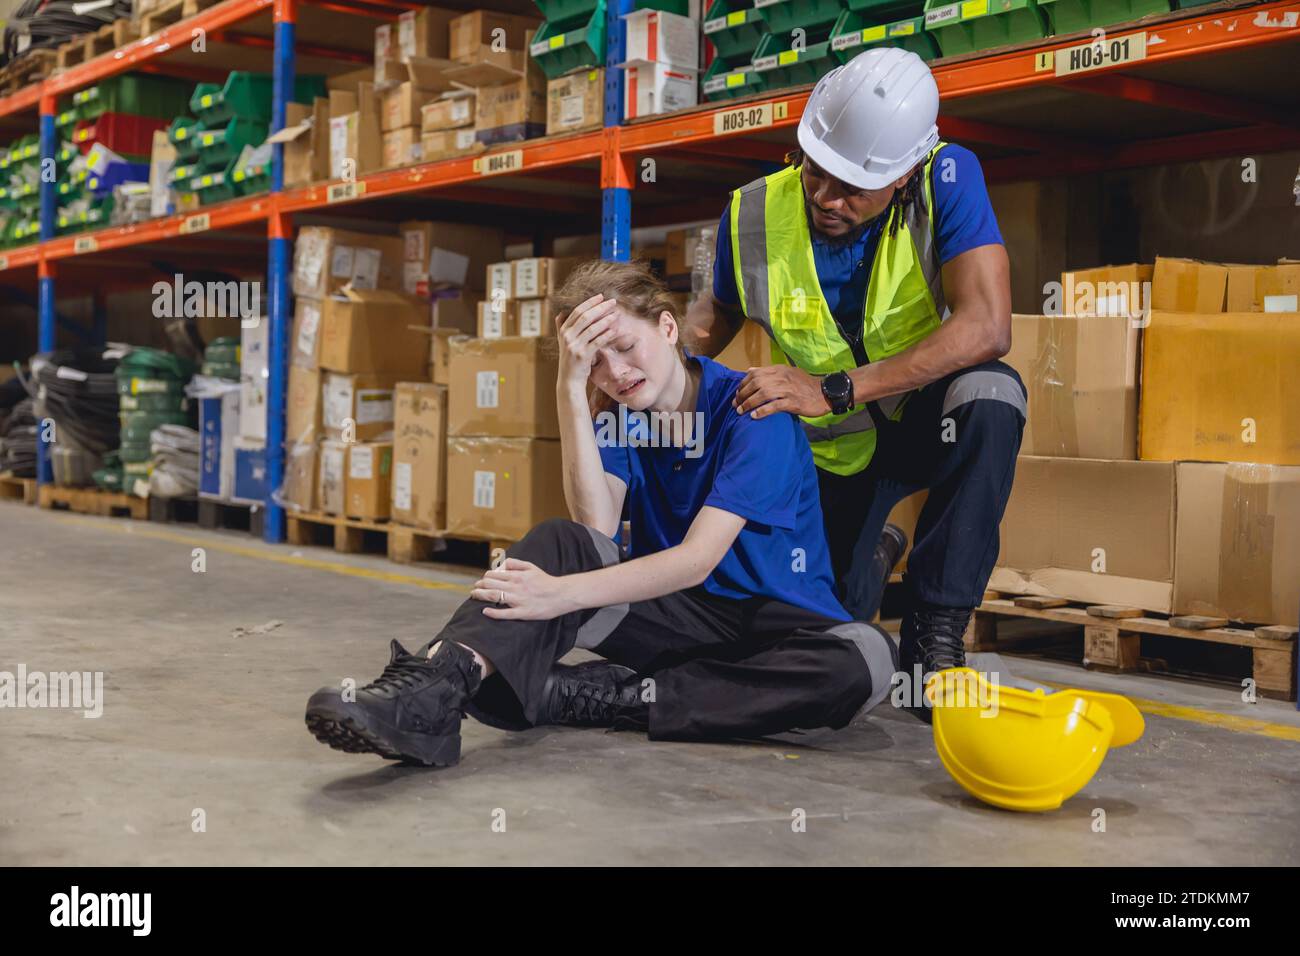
<point x="902" y="204"/>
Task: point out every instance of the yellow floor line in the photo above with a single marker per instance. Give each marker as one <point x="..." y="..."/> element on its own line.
<point x="390" y="577"/>
<point x="1210" y="718"/>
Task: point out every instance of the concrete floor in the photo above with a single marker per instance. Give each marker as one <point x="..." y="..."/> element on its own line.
<point x="196" y="717"/>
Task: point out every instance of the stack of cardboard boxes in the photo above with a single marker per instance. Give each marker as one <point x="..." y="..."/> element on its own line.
<point x="1158" y="465"/>
<point x="518" y="296"/>
<point x="661" y="73"/>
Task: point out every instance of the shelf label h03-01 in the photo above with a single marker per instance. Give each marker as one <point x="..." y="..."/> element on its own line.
<point x="1100" y="52"/>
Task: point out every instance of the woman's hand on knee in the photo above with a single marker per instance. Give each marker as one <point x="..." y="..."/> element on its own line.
<point x="521" y="591"/>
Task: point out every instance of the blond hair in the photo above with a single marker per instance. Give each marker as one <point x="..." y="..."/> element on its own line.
<point x="636" y="287"/>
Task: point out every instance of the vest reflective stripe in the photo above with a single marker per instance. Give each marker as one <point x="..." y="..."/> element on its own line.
<point x="776" y="277"/>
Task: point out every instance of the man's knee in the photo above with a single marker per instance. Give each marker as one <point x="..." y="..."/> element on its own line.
<point x="990" y="395"/>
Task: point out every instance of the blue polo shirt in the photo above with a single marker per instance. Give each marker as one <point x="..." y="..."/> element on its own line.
<point x="964" y="219"/>
<point x="761" y="470"/>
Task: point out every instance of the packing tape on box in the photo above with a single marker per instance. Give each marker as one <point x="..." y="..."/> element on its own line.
<point x="1246" y="537"/>
<point x="1051" y="388"/>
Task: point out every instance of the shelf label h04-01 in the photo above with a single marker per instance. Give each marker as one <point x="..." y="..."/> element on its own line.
<point x="744" y="118"/>
<point x="495" y="163"/>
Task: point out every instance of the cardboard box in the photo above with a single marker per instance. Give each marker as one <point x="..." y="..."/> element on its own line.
<point x="446" y="254"/>
<point x="250" y="471"/>
<point x="424" y="32"/>
<point x="446" y="143"/>
<point x="357" y="406"/>
<point x="1237" y="552"/>
<point x="355" y="145"/>
<point x="751" y="348"/>
<point x="512" y="110"/>
<point x="1186" y="285"/>
<point x="575" y="102"/>
<point x="1220" y="388"/>
<point x="1105" y="291"/>
<point x="658" y="88"/>
<point x="676" y="262"/>
<point x="1081" y="375"/>
<point x="425" y="81"/>
<point x="539" y="277"/>
<point x="402" y="147"/>
<point x="304" y="346"/>
<point x="503" y="387"/>
<point x="497" y="318"/>
<point x="331" y="475"/>
<point x="500" y="488"/>
<point x="449" y="111"/>
<point x="472" y="36"/>
<point x="367" y="488"/>
<point x="457" y="313"/>
<point x="420" y="455"/>
<point x="536" y="317"/>
<point x="374" y="331"/>
<point x="306" y="142"/>
<point x="162" y="156"/>
<point x="1264" y="288"/>
<point x="656" y="36"/>
<point x="500" y="280"/>
<point x="1090" y="530"/>
<point x="327" y="259"/>
<point x="303" y="405"/>
<point x="254" y="370"/>
<point x="440" y="354"/>
<point x="298" y="491"/>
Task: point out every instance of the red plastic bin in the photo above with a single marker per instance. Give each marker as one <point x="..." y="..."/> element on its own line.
<point x="124" y="133"/>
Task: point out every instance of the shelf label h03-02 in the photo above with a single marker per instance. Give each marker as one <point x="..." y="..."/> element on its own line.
<point x="744" y="118"/>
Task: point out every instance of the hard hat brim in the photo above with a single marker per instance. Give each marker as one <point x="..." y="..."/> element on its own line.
<point x="834" y="164"/>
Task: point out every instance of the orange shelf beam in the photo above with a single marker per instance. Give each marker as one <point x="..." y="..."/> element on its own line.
<point x="226" y="215"/>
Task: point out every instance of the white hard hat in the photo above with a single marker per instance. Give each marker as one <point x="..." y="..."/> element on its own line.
<point x="870" y="121"/>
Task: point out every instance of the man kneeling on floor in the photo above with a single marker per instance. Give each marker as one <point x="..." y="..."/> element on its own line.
<point x="722" y="623"/>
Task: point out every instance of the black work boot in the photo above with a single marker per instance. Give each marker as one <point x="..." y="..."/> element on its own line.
<point x="889" y="548"/>
<point x="411" y="712"/>
<point x="593" y="694"/>
<point x="931" y="637"/>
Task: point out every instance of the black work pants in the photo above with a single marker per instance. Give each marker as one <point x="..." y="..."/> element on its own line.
<point x="958" y="437"/>
<point x="720" y="668"/>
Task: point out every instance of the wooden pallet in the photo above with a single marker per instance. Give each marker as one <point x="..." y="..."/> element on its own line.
<point x="109" y="37"/>
<point x="1112" y="636"/>
<point x="32" y="66"/>
<point x="163" y="15"/>
<point x="72" y="53"/>
<point x="171" y="510"/>
<point x="346" y="535"/>
<point x="93" y="501"/>
<point x="216" y="515"/>
<point x="407" y="545"/>
<point x="17" y="489"/>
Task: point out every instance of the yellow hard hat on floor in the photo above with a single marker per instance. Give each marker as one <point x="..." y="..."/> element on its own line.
<point x="1024" y="750"/>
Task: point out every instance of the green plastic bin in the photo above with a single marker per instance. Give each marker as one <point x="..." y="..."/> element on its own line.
<point x="136" y="93"/>
<point x="567" y="12"/>
<point x="784" y="16"/>
<point x="721" y="82"/>
<point x="783" y="66"/>
<point x="218" y="146"/>
<point x="213" y="187"/>
<point x="735" y="29"/>
<point x="970" y="25"/>
<point x="247" y="96"/>
<point x="1072" y="16"/>
<point x="182" y="173"/>
<point x="183" y="135"/>
<point x="887" y="11"/>
<point x="254" y="178"/>
<point x="559" y="50"/>
<point x="854" y="32"/>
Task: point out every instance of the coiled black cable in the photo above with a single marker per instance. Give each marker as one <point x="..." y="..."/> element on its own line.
<point x="50" y="23"/>
<point x="18" y="441"/>
<point x="77" y="390"/>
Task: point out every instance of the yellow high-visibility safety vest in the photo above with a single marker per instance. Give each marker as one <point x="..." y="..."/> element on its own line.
<point x="777" y="280"/>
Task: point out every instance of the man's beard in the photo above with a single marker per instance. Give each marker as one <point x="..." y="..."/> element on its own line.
<point x="848" y="239"/>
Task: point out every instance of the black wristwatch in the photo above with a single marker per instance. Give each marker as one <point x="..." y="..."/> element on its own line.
<point x="837" y="387"/>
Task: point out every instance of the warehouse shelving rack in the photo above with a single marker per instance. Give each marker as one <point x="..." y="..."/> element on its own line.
<point x="1207" y="81"/>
